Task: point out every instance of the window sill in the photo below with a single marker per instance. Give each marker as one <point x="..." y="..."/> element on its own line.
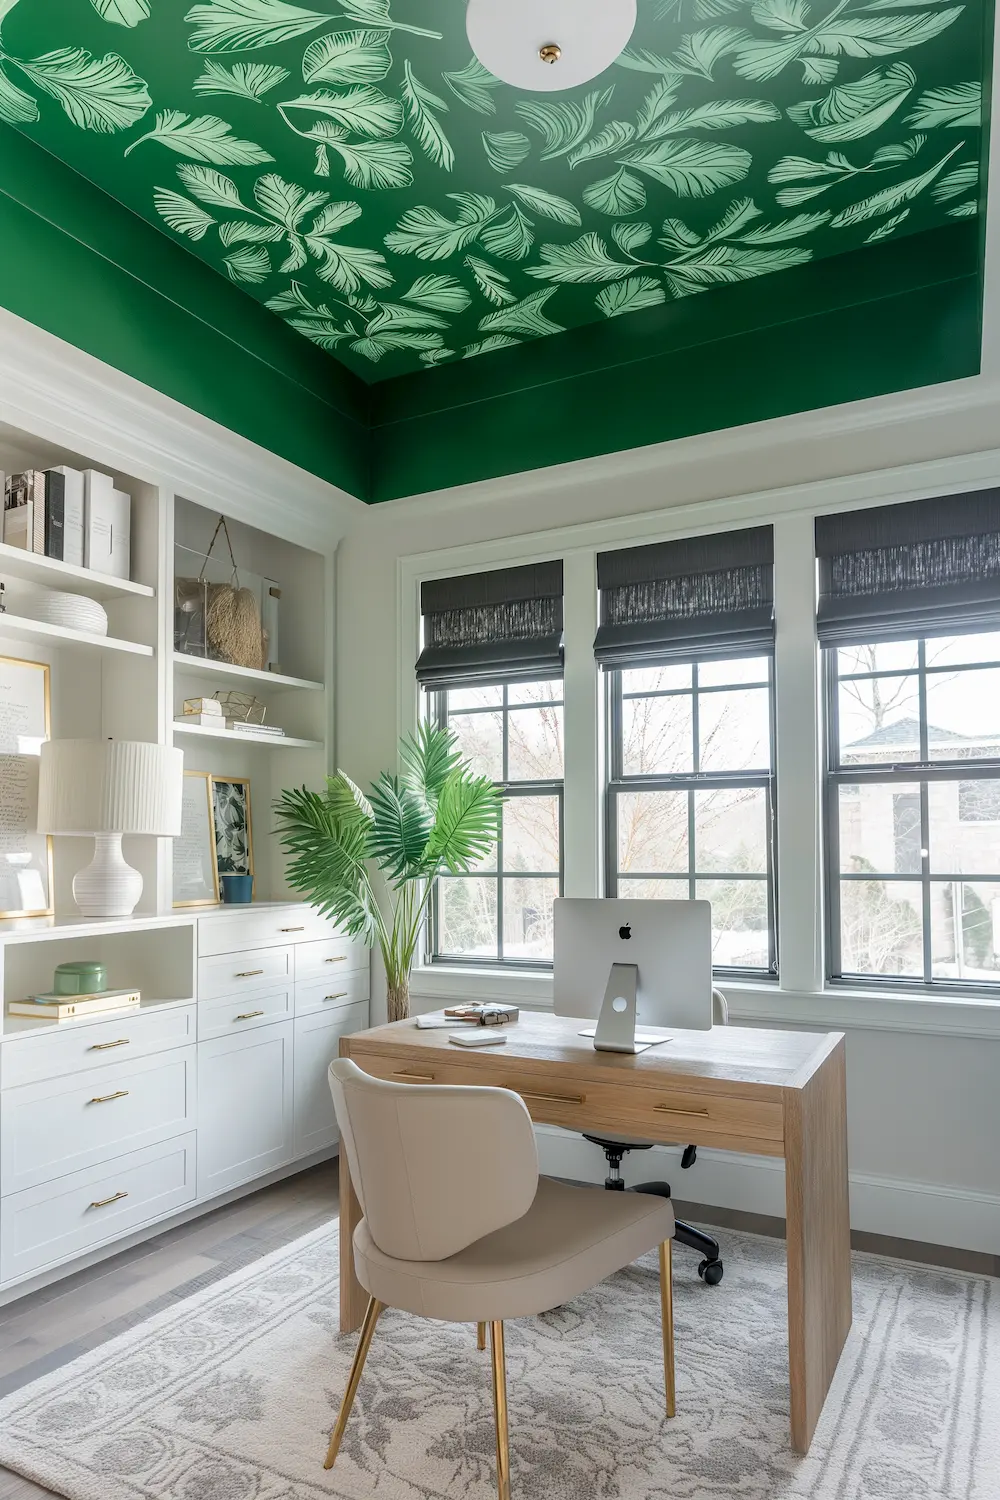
<point x="762" y="1004"/>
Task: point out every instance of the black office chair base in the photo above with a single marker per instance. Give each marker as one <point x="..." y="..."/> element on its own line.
<point x="710" y="1269"/>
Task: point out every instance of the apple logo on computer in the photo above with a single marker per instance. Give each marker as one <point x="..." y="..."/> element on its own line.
<point x="625" y="932"/>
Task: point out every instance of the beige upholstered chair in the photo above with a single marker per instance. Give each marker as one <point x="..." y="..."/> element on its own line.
<point x="458" y="1225"/>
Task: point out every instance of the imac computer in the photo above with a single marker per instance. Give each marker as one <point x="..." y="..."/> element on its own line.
<point x="628" y="962"/>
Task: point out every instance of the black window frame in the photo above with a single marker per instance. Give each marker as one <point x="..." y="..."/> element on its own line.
<point x="919" y="772"/>
<point x="617" y="783"/>
<point x="438" y="712"/>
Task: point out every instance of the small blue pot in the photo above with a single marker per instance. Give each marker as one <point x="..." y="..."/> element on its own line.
<point x="237" y="890"/>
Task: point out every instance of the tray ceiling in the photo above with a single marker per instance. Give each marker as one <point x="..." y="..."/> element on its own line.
<point x="351" y="166"/>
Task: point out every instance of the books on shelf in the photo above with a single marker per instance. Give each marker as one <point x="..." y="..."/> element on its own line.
<point x="73" y="516"/>
<point x="53" y="1007"/>
<point x="255" y="731"/>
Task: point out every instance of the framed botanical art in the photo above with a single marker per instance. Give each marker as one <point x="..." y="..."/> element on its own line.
<point x="233" y="825"/>
<point x="25" y="856"/>
<point x="196" y="872"/>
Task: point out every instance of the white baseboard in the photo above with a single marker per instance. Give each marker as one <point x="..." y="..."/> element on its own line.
<point x="929" y="1212"/>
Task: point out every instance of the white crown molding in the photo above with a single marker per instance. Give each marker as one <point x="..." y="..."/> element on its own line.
<point x="60" y="394"/>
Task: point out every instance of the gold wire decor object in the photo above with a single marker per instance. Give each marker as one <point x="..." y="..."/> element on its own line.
<point x="232" y="615"/>
<point x="241" y="708"/>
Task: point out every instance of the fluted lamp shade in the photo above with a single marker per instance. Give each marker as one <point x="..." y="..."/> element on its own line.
<point x="107" y="788"/>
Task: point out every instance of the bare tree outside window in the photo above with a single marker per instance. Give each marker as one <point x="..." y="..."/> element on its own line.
<point x="691" y="797"/>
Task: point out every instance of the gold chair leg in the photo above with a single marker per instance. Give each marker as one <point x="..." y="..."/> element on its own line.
<point x="480" y="1336"/>
<point x="500" y="1410"/>
<point x="354" y="1379"/>
<point x="667" y="1319"/>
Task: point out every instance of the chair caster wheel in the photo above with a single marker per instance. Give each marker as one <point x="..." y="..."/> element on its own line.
<point x="711" y="1271"/>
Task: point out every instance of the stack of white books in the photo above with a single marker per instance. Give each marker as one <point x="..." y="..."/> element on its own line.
<point x="258" y="731"/>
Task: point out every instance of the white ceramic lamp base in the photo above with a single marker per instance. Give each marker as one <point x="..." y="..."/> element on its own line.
<point x="108" y="886"/>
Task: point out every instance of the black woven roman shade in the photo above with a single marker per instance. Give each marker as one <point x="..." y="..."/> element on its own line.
<point x="701" y="596"/>
<point x="492" y="627"/>
<point x="926" y="567"/>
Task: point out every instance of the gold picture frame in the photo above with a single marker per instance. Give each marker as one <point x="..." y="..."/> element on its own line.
<point x="194" y="862"/>
<point x="25" y="721"/>
<point x="232" y="822"/>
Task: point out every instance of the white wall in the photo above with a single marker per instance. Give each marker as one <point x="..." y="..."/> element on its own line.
<point x="923" y="1077"/>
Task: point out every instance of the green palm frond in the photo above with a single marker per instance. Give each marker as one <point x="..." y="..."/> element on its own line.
<point x="327" y="852"/>
<point x="467" y="823"/>
<point x="428" y="758"/>
<point x="398" y="838"/>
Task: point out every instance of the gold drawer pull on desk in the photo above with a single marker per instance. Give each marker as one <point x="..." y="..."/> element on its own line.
<point x="670" y="1109"/>
<point x="103" y="1202"/>
<point x="106" y="1098"/>
<point x="247" y="973"/>
<point x="548" y="1098"/>
<point x="248" y="1015"/>
<point x="122" y="1041"/>
<point x="415" y="1077"/>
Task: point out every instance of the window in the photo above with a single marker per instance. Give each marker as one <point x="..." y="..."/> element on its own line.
<point x="502" y="913"/>
<point x="691" y="797"/>
<point x="914" y="809"/>
<point x="909" y="616"/>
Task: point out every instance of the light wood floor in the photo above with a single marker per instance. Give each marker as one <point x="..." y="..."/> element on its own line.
<point x="51" y="1327"/>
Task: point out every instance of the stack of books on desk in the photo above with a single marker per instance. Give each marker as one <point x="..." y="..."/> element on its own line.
<point x="55" y="1007"/>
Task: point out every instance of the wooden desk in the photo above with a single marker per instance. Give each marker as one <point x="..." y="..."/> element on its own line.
<point x="769" y="1093"/>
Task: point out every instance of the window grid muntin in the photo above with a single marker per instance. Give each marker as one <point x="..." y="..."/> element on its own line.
<point x="691" y="782"/>
<point x="922" y="771"/>
<point x="552" y="787"/>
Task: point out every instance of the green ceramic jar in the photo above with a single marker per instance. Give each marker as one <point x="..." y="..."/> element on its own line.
<point x="81" y="977"/>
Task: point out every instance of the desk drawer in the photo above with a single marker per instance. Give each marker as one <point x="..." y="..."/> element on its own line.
<point x="58" y="1220"/>
<point x="232" y="1013"/>
<point x="331" y="991"/>
<point x="260" y="927"/>
<point x="90" y="1044"/>
<point x="671" y="1113"/>
<point x="237" y="973"/>
<point x="64" y="1125"/>
<point x="331" y="957"/>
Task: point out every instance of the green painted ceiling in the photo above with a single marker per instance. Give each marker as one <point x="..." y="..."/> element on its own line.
<point x="353" y="168"/>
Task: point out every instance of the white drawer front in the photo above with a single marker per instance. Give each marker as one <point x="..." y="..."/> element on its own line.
<point x="63" y="1125"/>
<point x="228" y="1015"/>
<point x="331" y="957"/>
<point x="235" y="973"/>
<point x="260" y="927"/>
<point x="77" y="1213"/>
<point x="332" y="991"/>
<point x="245" y="1109"/>
<point x="317" y="1043"/>
<point x="90" y="1043"/>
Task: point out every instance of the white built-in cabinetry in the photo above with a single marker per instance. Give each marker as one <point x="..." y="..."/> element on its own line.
<point x="111" y="1125"/>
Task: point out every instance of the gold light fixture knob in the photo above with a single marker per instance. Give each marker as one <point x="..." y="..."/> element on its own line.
<point x="550" y="53"/>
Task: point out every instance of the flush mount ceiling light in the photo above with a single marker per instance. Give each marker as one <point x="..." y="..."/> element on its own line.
<point x="547" y="45"/>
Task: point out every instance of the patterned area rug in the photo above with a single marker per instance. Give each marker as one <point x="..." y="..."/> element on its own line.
<point x="230" y="1395"/>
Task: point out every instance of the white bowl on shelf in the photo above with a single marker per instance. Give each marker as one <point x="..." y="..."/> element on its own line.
<point x="71" y="611"/>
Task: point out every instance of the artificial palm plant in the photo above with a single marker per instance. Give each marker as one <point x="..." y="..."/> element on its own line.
<point x="435" y="817"/>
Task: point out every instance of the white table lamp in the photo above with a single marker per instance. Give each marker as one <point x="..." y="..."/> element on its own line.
<point x="106" y="788"/>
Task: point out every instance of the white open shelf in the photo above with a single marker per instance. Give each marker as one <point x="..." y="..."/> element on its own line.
<point x="60" y="635"/>
<point x="273" y="742"/>
<point x="228" y="673"/>
<point x="49" y="571"/>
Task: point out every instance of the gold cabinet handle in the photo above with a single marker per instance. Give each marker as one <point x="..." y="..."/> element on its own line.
<point x="248" y="1015"/>
<point x="338" y="996"/>
<point x="106" y="1098"/>
<point x="415" y="1077"/>
<point x="339" y="959"/>
<point x="247" y="973"/>
<point x="103" y="1202"/>
<point x="670" y="1109"/>
<point x="293" y="929"/>
<point x="122" y="1041"/>
<point x="548" y="1098"/>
